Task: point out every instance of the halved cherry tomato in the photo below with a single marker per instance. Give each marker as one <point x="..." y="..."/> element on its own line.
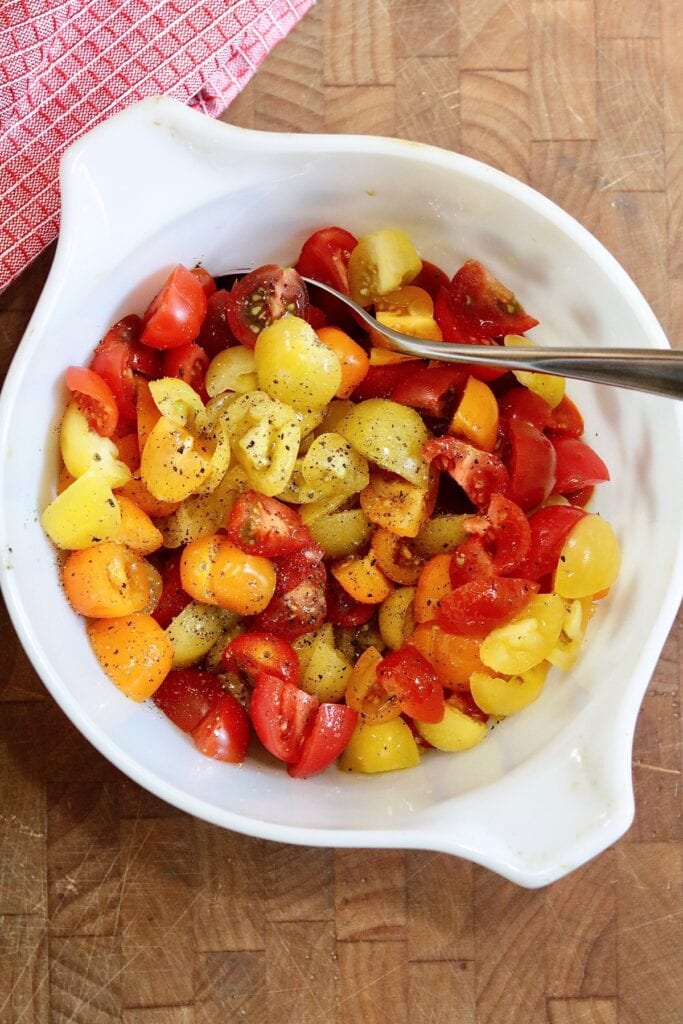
<point x="408" y="310"/>
<point x="205" y="280"/>
<point x="578" y="466"/>
<point x="175" y="315"/>
<point x="366" y="695"/>
<point x="325" y="257"/>
<point x="328" y="738"/>
<point x="582" y="497"/>
<point x="224" y="732"/>
<point x="253" y="653"/>
<point x="476" y="608"/>
<point x="470" y="561"/>
<point x="447" y="320"/>
<point x="476" y="417"/>
<point x="548" y="529"/>
<point x="431" y="278"/>
<point x="282" y="716"/>
<point x="186" y="696"/>
<point x="173" y="598"/>
<point x="190" y="363"/>
<point x="342" y="610"/>
<point x="431" y="389"/>
<point x="362" y="578"/>
<point x="107" y="580"/>
<point x="119" y="357"/>
<point x="453" y="658"/>
<point x="263" y="296"/>
<point x="532" y="464"/>
<point x="408" y="675"/>
<point x="381" y="380"/>
<point x="509" y="534"/>
<point x="217" y="572"/>
<point x="566" y="420"/>
<point x="479" y="473"/>
<point x="94" y="398"/>
<point x="215" y="334"/>
<point x="396" y="557"/>
<point x="522" y="404"/>
<point x="483" y="307"/>
<point x="433" y="585"/>
<point x="265" y="526"/>
<point x="352" y="358"/>
<point x="298" y="605"/>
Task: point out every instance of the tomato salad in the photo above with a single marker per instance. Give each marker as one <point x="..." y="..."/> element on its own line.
<point x="273" y="524"/>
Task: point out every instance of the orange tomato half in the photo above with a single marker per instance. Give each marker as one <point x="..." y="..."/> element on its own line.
<point x="352" y="358"/>
<point x="108" y="580"/>
<point x="134" y="652"/>
<point x="215" y="571"/>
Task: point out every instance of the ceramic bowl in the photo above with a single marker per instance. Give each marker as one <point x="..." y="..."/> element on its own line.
<point x="159" y="184"/>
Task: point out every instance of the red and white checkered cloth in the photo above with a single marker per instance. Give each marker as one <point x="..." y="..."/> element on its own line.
<point x="66" y="65"/>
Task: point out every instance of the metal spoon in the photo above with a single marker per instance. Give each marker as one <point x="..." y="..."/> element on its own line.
<point x="657" y="371"/>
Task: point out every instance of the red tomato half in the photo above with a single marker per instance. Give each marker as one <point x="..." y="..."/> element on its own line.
<point x="187" y="695"/>
<point x="253" y="653"/>
<point x="451" y="331"/>
<point x="407" y="674"/>
<point x="431" y="278"/>
<point x="325" y="257"/>
<point x="548" y="528"/>
<point x="532" y="464"/>
<point x="509" y="535"/>
<point x="119" y="357"/>
<point x="431" y="389"/>
<point x="331" y="732"/>
<point x="476" y="608"/>
<point x="480" y="474"/>
<point x="173" y="598"/>
<point x="578" y="466"/>
<point x="298" y="605"/>
<point x="381" y="381"/>
<point x="175" y="315"/>
<point x="94" y="398"/>
<point x="566" y="420"/>
<point x="190" y="363"/>
<point x="263" y="296"/>
<point x="205" y="280"/>
<point x="282" y="716"/>
<point x="265" y="526"/>
<point x="470" y="561"/>
<point x="215" y="334"/>
<point x="344" y="610"/>
<point x="483" y="307"/>
<point x="522" y="404"/>
<point x="224" y="732"/>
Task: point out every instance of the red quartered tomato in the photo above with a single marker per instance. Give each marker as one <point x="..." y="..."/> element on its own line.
<point x="282" y="716"/>
<point x="342" y="609"/>
<point x="173" y="598"/>
<point x="548" y="528"/>
<point x="407" y="675"/>
<point x="254" y="653"/>
<point x="187" y="695"/>
<point x="479" y="473"/>
<point x="532" y="464"/>
<point x="381" y="380"/>
<point x="476" y="608"/>
<point x="298" y="605"/>
<point x="175" y="315"/>
<point x="578" y="466"/>
<point x="263" y="296"/>
<point x="431" y="278"/>
<point x="190" y="363"/>
<point x="224" y="731"/>
<point x="448" y="321"/>
<point x="483" y="307"/>
<point x="95" y="399"/>
<point x="328" y="738"/>
<point x="431" y="389"/>
<point x="325" y="257"/>
<point x="470" y="561"/>
<point x="522" y="404"/>
<point x="119" y="357"/>
<point x="265" y="526"/>
<point x="509" y="534"/>
<point x="205" y="280"/>
<point x="215" y="334"/>
<point x="565" y="420"/>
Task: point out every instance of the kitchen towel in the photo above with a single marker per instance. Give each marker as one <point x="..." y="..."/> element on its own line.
<point x="66" y="65"/>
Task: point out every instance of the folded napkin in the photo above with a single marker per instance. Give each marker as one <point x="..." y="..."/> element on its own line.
<point x="66" y="65"/>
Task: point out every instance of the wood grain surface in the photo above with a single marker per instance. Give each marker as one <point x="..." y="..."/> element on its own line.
<point x="114" y="907"/>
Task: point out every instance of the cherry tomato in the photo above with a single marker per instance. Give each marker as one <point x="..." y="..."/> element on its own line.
<point x="342" y="610"/>
<point x="407" y="674"/>
<point x="187" y="695"/>
<point x="325" y="257"/>
<point x="548" y="529"/>
<point x="464" y="701"/>
<point x="433" y="585"/>
<point x="522" y="404"/>
<point x="215" y="334"/>
<point x="447" y="320"/>
<point x="205" y="280"/>
<point x="175" y="315"/>
<point x="396" y="557"/>
<point x="470" y="561"/>
<point x="253" y="653"/>
<point x="352" y="358"/>
<point x="190" y="363"/>
<point x="316" y="317"/>
<point x="332" y="729"/>
<point x="265" y="526"/>
<point x="282" y="715"/>
<point x="566" y="420"/>
<point x="509" y="534"/>
<point x="119" y="357"/>
<point x="431" y="278"/>
<point x="431" y="389"/>
<point x="578" y="466"/>
<point x="94" y="398"/>
<point x="224" y="731"/>
<point x="366" y="695"/>
<point x="532" y="464"/>
<point x="479" y="473"/>
<point x="474" y="609"/>
<point x="263" y="296"/>
<point x="298" y="605"/>
<point x="483" y="307"/>
<point x="380" y="381"/>
<point x="582" y="497"/>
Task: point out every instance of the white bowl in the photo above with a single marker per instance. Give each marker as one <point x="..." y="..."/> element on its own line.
<point x="158" y="185"/>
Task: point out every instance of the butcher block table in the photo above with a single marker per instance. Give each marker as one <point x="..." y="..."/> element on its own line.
<point x="115" y="907"/>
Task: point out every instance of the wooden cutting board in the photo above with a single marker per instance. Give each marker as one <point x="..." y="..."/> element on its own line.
<point x="116" y="908"/>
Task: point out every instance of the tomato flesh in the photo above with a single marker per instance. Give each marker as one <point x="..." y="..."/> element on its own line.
<point x="175" y="315"/>
<point x="431" y="389"/>
<point x="282" y="715"/>
<point x="479" y="473"/>
<point x="407" y="675"/>
<point x="173" y="598"/>
<point x="187" y="695"/>
<point x="470" y="561"/>
<point x="578" y="466"/>
<point x="532" y="464"/>
<point x="223" y="733"/>
<point x="482" y="307"/>
<point x="432" y="279"/>
<point x="189" y="363"/>
<point x="95" y="399"/>
<point x="215" y="334"/>
<point x="119" y="357"/>
<point x="475" y="608"/>
<point x="522" y="404"/>
<point x="548" y="528"/>
<point x="325" y="257"/>
<point x="253" y="653"/>
<point x="332" y="729"/>
<point x="266" y="526"/>
<point x="262" y="297"/>
<point x="381" y="381"/>
<point x="298" y="605"/>
<point x="344" y="610"/>
<point x="510" y="534"/>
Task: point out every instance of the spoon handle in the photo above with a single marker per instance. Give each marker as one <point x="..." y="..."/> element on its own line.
<point x="657" y="371"/>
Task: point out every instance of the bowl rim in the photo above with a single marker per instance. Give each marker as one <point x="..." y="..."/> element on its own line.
<point x="185" y="121"/>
